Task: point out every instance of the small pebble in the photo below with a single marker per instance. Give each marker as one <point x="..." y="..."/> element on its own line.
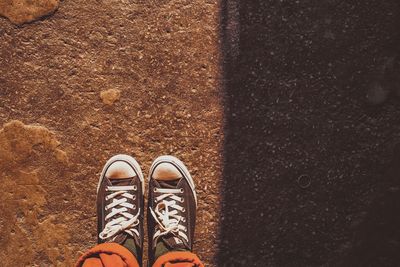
<point x="110" y="96"/>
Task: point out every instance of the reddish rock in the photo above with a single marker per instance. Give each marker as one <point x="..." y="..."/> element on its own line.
<point x="22" y="11"/>
<point x="110" y="96"/>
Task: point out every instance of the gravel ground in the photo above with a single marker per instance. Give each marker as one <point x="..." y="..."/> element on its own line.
<point x="94" y="79"/>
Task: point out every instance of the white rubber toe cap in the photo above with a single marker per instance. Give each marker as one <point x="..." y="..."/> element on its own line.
<point x="120" y="170"/>
<point x="166" y="172"/>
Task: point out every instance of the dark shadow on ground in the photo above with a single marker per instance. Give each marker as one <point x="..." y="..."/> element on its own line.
<point x="311" y="92"/>
<point x="376" y="240"/>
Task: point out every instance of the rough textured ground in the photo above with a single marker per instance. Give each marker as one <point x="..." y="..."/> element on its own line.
<point x="162" y="57"/>
<point x="311" y="108"/>
<point x="303" y="84"/>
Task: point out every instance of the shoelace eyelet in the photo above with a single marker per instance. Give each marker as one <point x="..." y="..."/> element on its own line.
<point x="155" y="190"/>
<point x="134" y="187"/>
<point x="182" y="190"/>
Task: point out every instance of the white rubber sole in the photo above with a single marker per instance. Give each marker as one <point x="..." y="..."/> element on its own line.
<point x="121" y="157"/>
<point x="179" y="164"/>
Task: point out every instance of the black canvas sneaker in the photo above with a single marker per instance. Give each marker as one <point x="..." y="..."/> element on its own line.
<point x="171" y="207"/>
<point x="120" y="204"/>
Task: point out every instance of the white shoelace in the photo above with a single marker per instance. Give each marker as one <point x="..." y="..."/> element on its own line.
<point x="166" y="214"/>
<point x="125" y="221"/>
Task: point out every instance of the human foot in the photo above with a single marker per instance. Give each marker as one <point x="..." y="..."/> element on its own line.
<point x="120" y="204"/>
<point x="171" y="207"/>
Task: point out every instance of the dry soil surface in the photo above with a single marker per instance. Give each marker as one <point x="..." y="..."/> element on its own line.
<point x="94" y="79"/>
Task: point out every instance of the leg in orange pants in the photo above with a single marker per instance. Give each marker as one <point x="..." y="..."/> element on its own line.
<point x="120" y="213"/>
<point x="108" y="255"/>
<point x="115" y="255"/>
<point x="178" y="259"/>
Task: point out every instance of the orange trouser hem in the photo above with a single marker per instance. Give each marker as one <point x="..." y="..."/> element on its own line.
<point x="108" y="255"/>
<point x="178" y="259"/>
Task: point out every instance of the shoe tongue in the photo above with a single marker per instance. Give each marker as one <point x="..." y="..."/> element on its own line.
<point x="169" y="184"/>
<point x="119" y="238"/>
<point x="120" y="182"/>
<point x="126" y="240"/>
<point x="174" y="243"/>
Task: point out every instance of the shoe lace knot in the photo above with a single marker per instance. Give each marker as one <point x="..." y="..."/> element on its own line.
<point x="118" y="218"/>
<point x="168" y="214"/>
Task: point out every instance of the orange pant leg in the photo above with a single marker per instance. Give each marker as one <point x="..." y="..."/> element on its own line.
<point x="108" y="255"/>
<point x="178" y="259"/>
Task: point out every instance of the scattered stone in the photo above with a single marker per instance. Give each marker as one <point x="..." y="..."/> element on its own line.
<point x="23" y="11"/>
<point x="61" y="155"/>
<point x="110" y="96"/>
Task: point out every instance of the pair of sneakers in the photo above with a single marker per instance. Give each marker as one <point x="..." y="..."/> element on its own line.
<point x="172" y="203"/>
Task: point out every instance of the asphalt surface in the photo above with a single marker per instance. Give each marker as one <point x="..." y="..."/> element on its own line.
<point x="312" y="122"/>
